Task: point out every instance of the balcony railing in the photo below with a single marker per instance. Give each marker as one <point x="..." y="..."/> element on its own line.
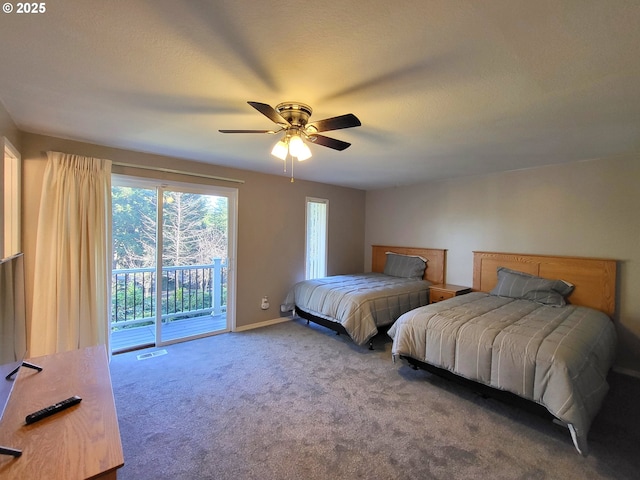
<point x="186" y="291"/>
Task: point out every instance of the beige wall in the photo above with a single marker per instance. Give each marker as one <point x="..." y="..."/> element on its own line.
<point x="271" y="220"/>
<point x="589" y="209"/>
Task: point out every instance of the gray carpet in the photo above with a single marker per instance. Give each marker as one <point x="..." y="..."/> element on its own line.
<point x="293" y="401"/>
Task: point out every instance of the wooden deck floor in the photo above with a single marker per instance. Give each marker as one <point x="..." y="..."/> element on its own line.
<point x="139" y="337"/>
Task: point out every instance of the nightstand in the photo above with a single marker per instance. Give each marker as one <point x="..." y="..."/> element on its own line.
<point x="443" y="291"/>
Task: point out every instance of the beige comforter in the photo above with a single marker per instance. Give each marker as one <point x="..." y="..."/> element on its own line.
<point x="360" y="303"/>
<point x="558" y="357"/>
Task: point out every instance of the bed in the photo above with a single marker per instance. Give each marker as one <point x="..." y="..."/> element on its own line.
<point x="357" y="305"/>
<point x="536" y="326"/>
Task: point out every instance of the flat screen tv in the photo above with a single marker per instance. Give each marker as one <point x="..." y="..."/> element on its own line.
<point x="13" y="329"/>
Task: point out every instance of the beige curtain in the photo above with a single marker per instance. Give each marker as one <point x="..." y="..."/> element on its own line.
<point x="71" y="307"/>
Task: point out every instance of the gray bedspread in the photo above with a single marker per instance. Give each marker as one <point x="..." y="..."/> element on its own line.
<point x="360" y="303"/>
<point x="558" y="357"/>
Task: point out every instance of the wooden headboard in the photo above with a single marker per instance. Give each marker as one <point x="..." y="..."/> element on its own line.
<point x="594" y="278"/>
<point x="436" y="260"/>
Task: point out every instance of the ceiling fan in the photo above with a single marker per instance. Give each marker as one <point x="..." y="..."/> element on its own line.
<point x="292" y="118"/>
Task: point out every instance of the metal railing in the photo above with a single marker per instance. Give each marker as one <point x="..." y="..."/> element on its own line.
<point x="186" y="291"/>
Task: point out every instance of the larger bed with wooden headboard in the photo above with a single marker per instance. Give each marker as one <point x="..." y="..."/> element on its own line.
<point x="359" y="304"/>
<point x="536" y="326"/>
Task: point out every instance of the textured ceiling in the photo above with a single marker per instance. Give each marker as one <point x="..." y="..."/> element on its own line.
<point x="443" y="88"/>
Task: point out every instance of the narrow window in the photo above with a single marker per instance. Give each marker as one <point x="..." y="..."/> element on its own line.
<point x="316" y="242"/>
<point x="10" y="214"/>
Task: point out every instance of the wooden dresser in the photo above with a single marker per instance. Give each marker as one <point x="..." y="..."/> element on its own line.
<point x="78" y="443"/>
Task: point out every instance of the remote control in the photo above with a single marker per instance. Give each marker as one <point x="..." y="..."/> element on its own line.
<point x="51" y="409"/>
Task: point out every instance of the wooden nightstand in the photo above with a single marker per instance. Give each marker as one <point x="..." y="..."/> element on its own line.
<point x="443" y="291"/>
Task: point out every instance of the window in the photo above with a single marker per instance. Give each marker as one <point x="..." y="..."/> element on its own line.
<point x="316" y="238"/>
<point x="10" y="242"/>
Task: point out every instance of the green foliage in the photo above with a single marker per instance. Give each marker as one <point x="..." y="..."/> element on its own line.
<point x="133" y="211"/>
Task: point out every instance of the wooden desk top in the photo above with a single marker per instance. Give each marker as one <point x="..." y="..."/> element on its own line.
<point x="78" y="443"/>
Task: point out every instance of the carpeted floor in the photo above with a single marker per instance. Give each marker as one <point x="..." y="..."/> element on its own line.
<point x="292" y="401"/>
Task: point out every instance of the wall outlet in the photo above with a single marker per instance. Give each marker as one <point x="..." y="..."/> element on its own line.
<point x="265" y="303"/>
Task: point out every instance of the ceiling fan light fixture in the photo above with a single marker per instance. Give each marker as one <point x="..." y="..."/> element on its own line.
<point x="280" y="150"/>
<point x="295" y="145"/>
<point x="292" y="118"/>
<point x="304" y="152"/>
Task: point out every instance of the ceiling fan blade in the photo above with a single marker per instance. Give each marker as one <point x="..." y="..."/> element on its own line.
<point x="270" y="112"/>
<point x="329" y="142"/>
<point x="334" y="123"/>
<point x="247" y="131"/>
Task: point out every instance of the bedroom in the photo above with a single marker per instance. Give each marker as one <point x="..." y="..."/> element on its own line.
<point x="598" y="197"/>
<point x="586" y="207"/>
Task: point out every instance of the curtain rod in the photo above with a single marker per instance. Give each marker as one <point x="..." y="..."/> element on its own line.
<point x="179" y="172"/>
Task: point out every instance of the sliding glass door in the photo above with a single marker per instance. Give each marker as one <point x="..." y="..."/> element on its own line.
<point x="173" y="257"/>
<point x="194" y="265"/>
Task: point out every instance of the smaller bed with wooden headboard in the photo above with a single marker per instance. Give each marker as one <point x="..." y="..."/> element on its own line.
<point x="359" y="304"/>
<point x="536" y="326"/>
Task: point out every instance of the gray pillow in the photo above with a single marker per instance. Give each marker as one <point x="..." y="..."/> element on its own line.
<point x="514" y="284"/>
<point x="407" y="266"/>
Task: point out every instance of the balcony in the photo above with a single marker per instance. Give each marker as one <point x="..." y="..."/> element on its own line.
<point x="192" y="302"/>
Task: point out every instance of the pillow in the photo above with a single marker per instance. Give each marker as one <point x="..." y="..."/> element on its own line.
<point x="407" y="266"/>
<point x="514" y="284"/>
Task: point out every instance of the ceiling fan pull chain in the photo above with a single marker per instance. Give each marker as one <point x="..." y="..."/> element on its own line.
<point x="291" y="168"/>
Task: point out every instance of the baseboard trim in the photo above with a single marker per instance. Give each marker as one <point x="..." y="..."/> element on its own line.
<point x="266" y="323"/>
<point x="627" y="371"/>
